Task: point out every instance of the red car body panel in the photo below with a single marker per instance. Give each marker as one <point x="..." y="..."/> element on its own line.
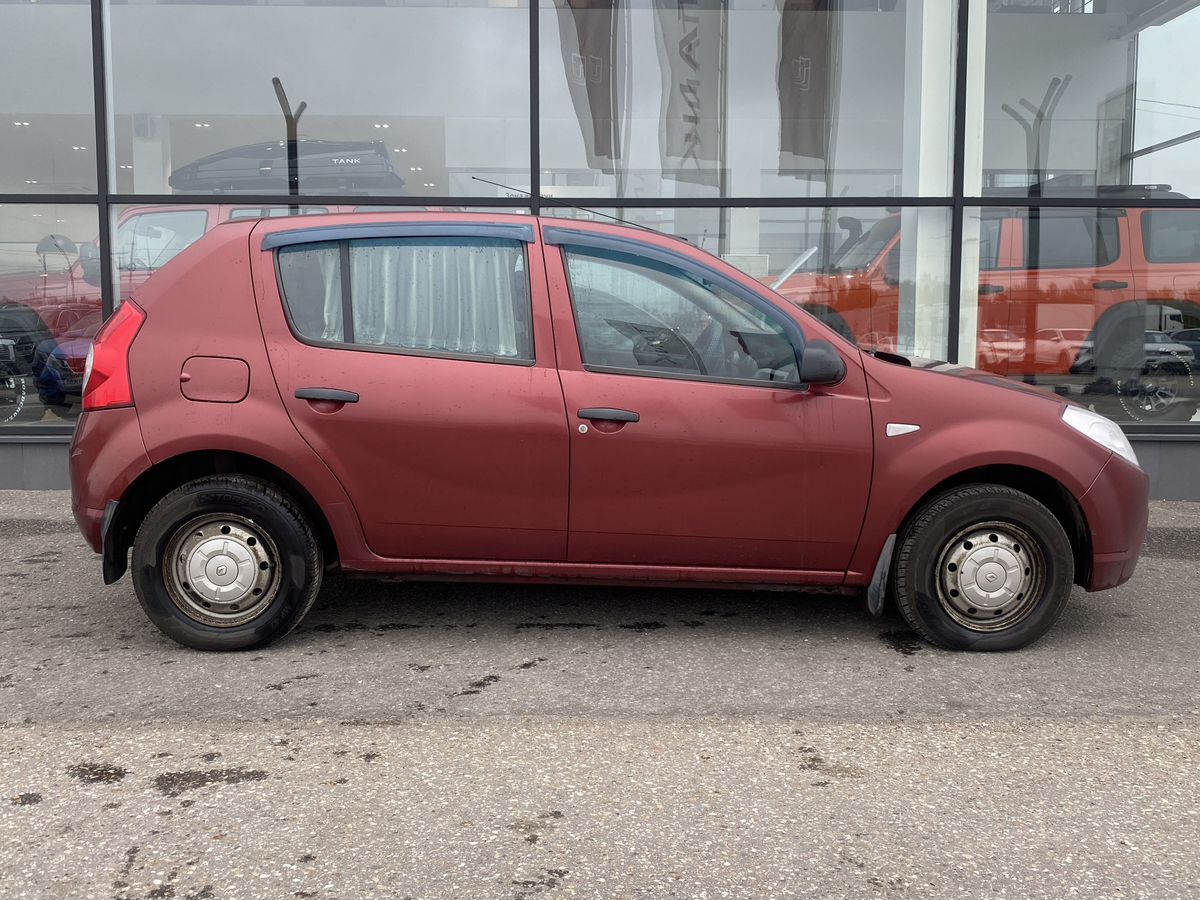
<point x="462" y="468"/>
<point x="794" y="466"/>
<point x="484" y="445"/>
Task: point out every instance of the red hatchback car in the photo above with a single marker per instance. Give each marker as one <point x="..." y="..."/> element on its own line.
<point x="484" y="396"/>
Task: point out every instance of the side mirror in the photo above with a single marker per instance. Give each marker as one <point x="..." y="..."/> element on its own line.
<point x="821" y="364"/>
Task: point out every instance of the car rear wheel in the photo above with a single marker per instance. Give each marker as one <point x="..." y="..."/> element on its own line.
<point x="983" y="567"/>
<point x="226" y="563"/>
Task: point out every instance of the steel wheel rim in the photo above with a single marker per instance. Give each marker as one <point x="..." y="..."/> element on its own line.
<point x="221" y="569"/>
<point x="990" y="576"/>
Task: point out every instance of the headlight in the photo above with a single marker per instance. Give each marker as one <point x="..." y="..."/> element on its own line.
<point x="1103" y="431"/>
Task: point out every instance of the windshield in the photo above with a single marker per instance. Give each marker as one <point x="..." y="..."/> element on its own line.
<point x="148" y="241"/>
<point x="867" y="248"/>
<point x="844" y="248"/>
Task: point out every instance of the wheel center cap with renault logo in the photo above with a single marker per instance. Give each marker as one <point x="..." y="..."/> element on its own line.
<point x="221" y="570"/>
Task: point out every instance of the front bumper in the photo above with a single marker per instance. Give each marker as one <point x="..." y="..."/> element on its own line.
<point x="1117" y="507"/>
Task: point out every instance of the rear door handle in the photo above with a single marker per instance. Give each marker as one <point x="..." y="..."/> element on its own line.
<point x="991" y="288"/>
<point x="332" y="394"/>
<point x="1110" y="285"/>
<point x="604" y="414"/>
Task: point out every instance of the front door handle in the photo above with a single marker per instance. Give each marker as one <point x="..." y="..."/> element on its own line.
<point x="991" y="288"/>
<point x="331" y="394"/>
<point x="1110" y="285"/>
<point x="604" y="414"/>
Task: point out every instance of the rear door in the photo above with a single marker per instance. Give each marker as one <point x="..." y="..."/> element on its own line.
<point x="692" y="442"/>
<point x="1076" y="267"/>
<point x="418" y="361"/>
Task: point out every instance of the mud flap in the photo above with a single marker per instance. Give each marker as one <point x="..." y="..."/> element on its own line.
<point x="112" y="562"/>
<point x="877" y="589"/>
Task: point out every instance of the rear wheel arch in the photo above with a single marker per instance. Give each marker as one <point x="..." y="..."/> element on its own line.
<point x="163" y="477"/>
<point x="1044" y="488"/>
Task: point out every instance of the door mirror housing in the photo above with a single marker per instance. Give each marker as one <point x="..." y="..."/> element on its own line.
<point x="820" y="363"/>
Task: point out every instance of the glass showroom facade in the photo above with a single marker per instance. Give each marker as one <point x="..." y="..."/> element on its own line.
<point x="1001" y="183"/>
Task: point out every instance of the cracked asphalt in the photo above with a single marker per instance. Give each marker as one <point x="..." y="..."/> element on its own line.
<point x="442" y="740"/>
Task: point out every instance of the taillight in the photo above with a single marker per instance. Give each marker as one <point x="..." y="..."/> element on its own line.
<point x="106" y="380"/>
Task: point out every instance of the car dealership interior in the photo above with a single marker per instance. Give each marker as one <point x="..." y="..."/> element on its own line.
<point x="1012" y="185"/>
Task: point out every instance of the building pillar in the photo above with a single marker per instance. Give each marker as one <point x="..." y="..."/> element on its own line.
<point x="927" y="163"/>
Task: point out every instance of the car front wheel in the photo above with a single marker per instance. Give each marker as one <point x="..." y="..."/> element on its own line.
<point x="983" y="567"/>
<point x="226" y="563"/>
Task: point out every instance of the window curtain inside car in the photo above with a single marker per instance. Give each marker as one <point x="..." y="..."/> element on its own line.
<point x="331" y="287"/>
<point x="465" y="297"/>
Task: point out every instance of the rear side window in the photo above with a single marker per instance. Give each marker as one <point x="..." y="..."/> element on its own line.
<point x="1171" y="235"/>
<point x="1072" y="240"/>
<point x="311" y="280"/>
<point x="461" y="297"/>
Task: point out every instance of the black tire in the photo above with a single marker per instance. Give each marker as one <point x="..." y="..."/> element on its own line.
<point x="1029" y="535"/>
<point x="1164" y="392"/>
<point x="291" y="576"/>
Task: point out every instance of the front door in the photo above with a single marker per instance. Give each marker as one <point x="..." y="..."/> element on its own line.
<point x="420" y="366"/>
<point x="692" y="443"/>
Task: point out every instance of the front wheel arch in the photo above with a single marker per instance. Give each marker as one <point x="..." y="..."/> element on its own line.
<point x="1042" y="487"/>
<point x="162" y="478"/>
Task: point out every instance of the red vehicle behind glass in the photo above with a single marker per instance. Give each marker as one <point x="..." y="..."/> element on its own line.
<point x="1050" y="279"/>
<point x="52" y="313"/>
<point x="505" y="397"/>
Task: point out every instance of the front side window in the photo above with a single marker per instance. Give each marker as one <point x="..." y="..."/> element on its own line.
<point x="149" y="241"/>
<point x="638" y="316"/>
<point x="454" y="297"/>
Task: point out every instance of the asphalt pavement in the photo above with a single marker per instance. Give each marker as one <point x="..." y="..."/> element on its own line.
<point x="447" y="740"/>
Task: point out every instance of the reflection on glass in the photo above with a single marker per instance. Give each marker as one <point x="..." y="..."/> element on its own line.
<point x="49" y="309"/>
<point x="733" y="98"/>
<point x="1079" y="97"/>
<point x="878" y="277"/>
<point x="385" y="99"/>
<point x="47" y="130"/>
<point x="1102" y="306"/>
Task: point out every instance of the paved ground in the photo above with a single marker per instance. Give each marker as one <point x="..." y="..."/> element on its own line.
<point x="454" y="741"/>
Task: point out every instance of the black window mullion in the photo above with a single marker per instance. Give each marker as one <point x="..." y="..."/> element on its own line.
<point x="958" y="186"/>
<point x="535" y="148"/>
<point x="103" y="188"/>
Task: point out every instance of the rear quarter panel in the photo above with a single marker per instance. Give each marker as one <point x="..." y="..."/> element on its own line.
<point x="202" y="304"/>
